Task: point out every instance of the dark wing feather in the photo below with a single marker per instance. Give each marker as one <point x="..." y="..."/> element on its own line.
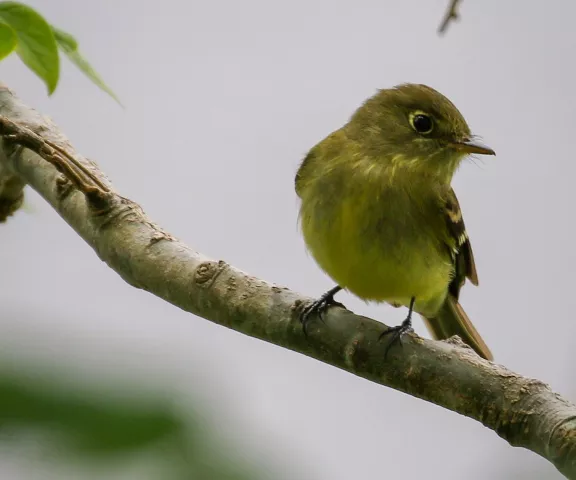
<point x="451" y="319"/>
<point x="460" y="249"/>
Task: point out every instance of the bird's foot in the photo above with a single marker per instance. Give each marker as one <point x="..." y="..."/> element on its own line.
<point x="397" y="333"/>
<point x="319" y="307"/>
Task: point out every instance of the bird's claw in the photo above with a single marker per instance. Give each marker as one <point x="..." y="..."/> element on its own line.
<point x="397" y="333"/>
<point x="317" y="307"/>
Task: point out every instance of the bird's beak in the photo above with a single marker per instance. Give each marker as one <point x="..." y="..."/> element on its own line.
<point x="472" y="146"/>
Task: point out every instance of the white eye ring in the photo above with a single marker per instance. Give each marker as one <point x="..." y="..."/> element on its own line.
<point x="421" y="122"/>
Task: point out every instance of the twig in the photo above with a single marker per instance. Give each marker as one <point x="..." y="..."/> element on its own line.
<point x="450" y="16"/>
<point x="523" y="411"/>
<point x="72" y="169"/>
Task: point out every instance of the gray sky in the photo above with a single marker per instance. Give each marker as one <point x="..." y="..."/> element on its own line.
<point x="223" y="100"/>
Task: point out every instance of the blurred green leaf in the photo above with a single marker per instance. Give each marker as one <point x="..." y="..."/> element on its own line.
<point x="36" y="43"/>
<point x="110" y="425"/>
<point x="8" y="40"/>
<point x="69" y="46"/>
<point x="64" y="39"/>
<point x="99" y="426"/>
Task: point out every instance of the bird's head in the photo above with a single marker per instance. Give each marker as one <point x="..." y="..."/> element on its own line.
<point x="416" y="127"/>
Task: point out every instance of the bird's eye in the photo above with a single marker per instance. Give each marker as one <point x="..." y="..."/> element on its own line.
<point x="421" y="122"/>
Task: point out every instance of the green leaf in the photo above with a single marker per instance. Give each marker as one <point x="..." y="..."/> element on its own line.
<point x="69" y="46"/>
<point x="64" y="39"/>
<point x="96" y="426"/>
<point x="8" y="40"/>
<point x="109" y="422"/>
<point x="36" y="44"/>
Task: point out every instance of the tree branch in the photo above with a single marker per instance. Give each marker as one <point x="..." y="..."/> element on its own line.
<point x="523" y="411"/>
<point x="450" y="16"/>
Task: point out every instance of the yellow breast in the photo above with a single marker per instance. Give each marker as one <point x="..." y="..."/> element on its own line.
<point x="376" y="246"/>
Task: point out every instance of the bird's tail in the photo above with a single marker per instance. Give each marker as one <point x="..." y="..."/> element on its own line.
<point x="452" y="320"/>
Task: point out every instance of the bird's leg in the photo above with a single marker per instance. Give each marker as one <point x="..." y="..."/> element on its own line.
<point x="398" y="331"/>
<point x="319" y="307"/>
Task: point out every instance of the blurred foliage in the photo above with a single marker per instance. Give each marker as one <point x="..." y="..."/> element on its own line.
<point x="36" y="42"/>
<point x="81" y="427"/>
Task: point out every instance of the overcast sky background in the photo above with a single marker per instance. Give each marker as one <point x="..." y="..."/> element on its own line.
<point x="223" y="99"/>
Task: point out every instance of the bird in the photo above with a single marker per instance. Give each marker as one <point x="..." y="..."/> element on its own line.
<point x="380" y="218"/>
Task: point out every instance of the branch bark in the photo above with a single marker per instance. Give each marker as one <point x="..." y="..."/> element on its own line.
<point x="523" y="411"/>
<point x="450" y="16"/>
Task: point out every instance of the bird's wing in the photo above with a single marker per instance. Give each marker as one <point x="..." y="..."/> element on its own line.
<point x="308" y="159"/>
<point x="460" y="248"/>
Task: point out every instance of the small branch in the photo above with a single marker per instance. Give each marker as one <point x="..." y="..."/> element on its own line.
<point x="74" y="171"/>
<point x="450" y="16"/>
<point x="523" y="411"/>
